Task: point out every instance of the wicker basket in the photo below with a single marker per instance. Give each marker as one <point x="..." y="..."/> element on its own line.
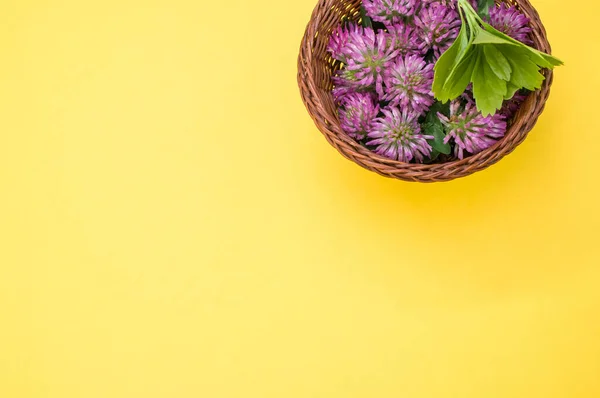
<point x="315" y="68"/>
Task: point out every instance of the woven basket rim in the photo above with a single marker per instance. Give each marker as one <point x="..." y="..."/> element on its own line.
<point x="328" y="123"/>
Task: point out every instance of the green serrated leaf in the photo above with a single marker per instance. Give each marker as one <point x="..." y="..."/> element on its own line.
<point x="551" y="59"/>
<point x="546" y="60"/>
<point x="497" y="62"/>
<point x="511" y="90"/>
<point x="540" y="60"/>
<point x="495" y="85"/>
<point x="488" y="89"/>
<point x="525" y="73"/>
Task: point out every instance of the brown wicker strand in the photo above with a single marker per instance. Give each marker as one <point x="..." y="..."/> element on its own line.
<point x="315" y="68"/>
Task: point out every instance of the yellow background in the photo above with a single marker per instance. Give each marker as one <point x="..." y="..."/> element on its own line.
<point x="172" y="224"/>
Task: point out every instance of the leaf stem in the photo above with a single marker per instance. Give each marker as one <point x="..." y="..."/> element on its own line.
<point x="470" y="11"/>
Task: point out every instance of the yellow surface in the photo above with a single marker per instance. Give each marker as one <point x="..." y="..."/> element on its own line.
<point x="173" y="225"/>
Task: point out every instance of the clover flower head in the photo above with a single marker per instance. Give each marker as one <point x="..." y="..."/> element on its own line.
<point x="404" y="38"/>
<point x="340" y="38"/>
<point x="470" y="130"/>
<point x="368" y="55"/>
<point x="438" y="27"/>
<point x="408" y="83"/>
<point x="397" y="135"/>
<point x="357" y="114"/>
<point x="390" y="11"/>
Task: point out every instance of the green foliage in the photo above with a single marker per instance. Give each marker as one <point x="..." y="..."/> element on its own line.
<point x="366" y="20"/>
<point x="496" y="64"/>
<point x="433" y="126"/>
<point x="484" y="7"/>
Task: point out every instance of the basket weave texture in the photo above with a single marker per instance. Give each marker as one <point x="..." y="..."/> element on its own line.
<point x="316" y="66"/>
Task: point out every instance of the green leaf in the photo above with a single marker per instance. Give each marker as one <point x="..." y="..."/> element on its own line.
<point x="460" y="77"/>
<point x="484" y="37"/>
<point x="495" y="85"/>
<point x="483" y="7"/>
<point x="511" y="90"/>
<point x="541" y="60"/>
<point x="448" y="61"/>
<point x="441" y="107"/>
<point x="551" y="59"/>
<point x="488" y="89"/>
<point x="545" y="60"/>
<point x="437" y="143"/>
<point x="497" y="62"/>
<point x="525" y="73"/>
<point x="434" y="127"/>
<point x="366" y="20"/>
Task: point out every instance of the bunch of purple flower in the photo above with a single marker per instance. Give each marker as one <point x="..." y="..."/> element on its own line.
<point x="384" y="88"/>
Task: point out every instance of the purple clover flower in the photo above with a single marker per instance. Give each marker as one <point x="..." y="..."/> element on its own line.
<point x="340" y="37"/>
<point x="397" y="135"/>
<point x="357" y="114"/>
<point x="510" y="21"/>
<point x="408" y="83"/>
<point x="368" y="55"/>
<point x="404" y="38"/>
<point x="390" y="11"/>
<point x="471" y="131"/>
<point x="438" y="27"/>
<point x="343" y="88"/>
